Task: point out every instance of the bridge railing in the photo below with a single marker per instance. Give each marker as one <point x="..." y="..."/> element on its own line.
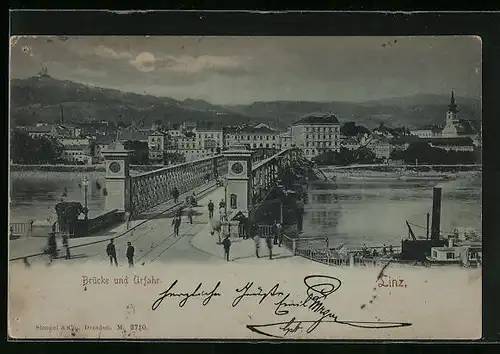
<point x="153" y="188"/>
<point x="18" y="229"/>
<point x="266" y="172"/>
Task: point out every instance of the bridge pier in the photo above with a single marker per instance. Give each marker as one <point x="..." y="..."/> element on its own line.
<point x="239" y="181"/>
<point x="117" y="178"/>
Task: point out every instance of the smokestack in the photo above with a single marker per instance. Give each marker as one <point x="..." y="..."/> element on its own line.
<point x="436" y="213"/>
<point x="62" y="116"/>
<point x="427" y="229"/>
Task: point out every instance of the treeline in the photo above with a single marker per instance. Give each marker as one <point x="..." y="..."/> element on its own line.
<point x="346" y="157"/>
<point x="37" y="150"/>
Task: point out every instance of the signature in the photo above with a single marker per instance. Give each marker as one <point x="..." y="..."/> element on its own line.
<point x="318" y="289"/>
<point x="184" y="297"/>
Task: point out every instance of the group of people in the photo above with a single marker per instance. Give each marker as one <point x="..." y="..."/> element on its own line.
<point x="273" y="238"/>
<point x="222" y="209"/>
<point x="51" y="248"/>
<point x="365" y="252"/>
<point x="111" y="252"/>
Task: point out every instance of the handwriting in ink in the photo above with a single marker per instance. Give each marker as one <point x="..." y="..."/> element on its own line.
<point x="318" y="289"/>
<point x="185" y="296"/>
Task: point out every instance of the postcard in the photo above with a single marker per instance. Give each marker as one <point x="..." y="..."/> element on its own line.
<point x="265" y="188"/>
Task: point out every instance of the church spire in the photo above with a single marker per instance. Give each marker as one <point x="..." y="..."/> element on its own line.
<point x="452" y="107"/>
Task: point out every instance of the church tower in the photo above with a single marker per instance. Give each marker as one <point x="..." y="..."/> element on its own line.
<point x="451" y="115"/>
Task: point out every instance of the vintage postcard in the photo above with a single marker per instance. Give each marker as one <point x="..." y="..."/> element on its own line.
<point x="267" y="188"/>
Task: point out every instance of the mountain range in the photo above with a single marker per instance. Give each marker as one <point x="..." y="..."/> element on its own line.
<point x="46" y="99"/>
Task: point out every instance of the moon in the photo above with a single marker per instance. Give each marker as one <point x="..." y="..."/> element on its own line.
<point x="145" y="61"/>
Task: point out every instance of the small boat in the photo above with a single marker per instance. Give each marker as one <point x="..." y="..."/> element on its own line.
<point x="105" y="191"/>
<point x="98" y="185"/>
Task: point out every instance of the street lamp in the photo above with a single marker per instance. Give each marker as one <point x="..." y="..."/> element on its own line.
<point x="85" y="184"/>
<point x="224" y="183"/>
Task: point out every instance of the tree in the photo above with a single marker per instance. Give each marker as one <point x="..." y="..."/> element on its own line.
<point x="364" y="155"/>
<point x="351" y="129"/>
<point x="40" y="150"/>
<point x="67" y="215"/>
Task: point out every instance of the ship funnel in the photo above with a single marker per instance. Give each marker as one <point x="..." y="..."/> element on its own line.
<point x="436" y="213"/>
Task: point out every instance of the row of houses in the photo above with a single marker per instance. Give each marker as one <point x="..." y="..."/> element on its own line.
<point x="314" y="133"/>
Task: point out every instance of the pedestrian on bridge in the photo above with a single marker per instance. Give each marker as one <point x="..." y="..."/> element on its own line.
<point x="111" y="252"/>
<point x="256" y="239"/>
<point x="175" y="195"/>
<point x="210" y="209"/>
<point x="65" y="243"/>
<point x="269" y="242"/>
<point x="190" y="213"/>
<point x="130" y="254"/>
<point x="227" y="246"/>
<point x="176" y="222"/>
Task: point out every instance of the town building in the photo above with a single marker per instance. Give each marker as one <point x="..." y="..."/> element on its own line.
<point x="454" y="127"/>
<point x="316" y="134"/>
<point x="257" y="137"/>
<point x="48" y="130"/>
<point x="285" y="140"/>
<point x="379" y="145"/>
<point x="157" y="146"/>
<point x="351" y="142"/>
<point x="428" y="131"/>
<point x="209" y="139"/>
<point x="102" y="142"/>
<point x="77" y="154"/>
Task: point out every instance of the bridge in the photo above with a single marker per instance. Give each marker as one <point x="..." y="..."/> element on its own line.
<point x="239" y="176"/>
<point x="247" y="179"/>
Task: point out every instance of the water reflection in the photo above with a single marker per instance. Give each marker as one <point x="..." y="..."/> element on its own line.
<point x="33" y="195"/>
<point x="374" y="212"/>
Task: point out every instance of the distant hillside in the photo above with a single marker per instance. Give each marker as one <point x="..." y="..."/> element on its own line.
<point x="41" y="98"/>
<point x="412" y="111"/>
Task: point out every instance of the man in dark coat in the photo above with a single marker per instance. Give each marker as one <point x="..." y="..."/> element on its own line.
<point x="210" y="209"/>
<point x="269" y="242"/>
<point x="176" y="222"/>
<point x="175" y="195"/>
<point x="227" y="245"/>
<point x="130" y="254"/>
<point x="111" y="252"/>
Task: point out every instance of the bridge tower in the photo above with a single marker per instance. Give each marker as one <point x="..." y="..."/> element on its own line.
<point x="239" y="180"/>
<point x="117" y="162"/>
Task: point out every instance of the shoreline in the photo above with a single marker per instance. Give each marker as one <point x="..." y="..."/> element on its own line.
<point x="76" y="168"/>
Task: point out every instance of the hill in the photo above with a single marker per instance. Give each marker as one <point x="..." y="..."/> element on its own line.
<point x="41" y="99"/>
<point x="411" y="111"/>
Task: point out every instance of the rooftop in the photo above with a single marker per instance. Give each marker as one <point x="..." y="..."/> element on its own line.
<point x="318" y="118"/>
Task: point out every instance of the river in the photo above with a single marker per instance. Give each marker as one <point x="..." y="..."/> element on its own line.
<point x="371" y="211"/>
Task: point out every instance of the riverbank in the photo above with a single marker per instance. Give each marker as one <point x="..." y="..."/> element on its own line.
<point x="443" y="172"/>
<point x="76" y="168"/>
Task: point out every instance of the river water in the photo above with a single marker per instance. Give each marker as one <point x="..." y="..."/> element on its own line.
<point x="371" y="211"/>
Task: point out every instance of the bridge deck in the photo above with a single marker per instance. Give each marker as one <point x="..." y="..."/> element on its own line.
<point x="153" y="239"/>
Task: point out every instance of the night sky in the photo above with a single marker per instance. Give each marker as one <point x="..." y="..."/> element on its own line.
<point x="240" y="70"/>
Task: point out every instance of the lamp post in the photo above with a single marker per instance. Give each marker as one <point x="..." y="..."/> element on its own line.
<point x="85" y="184"/>
<point x="224" y="183"/>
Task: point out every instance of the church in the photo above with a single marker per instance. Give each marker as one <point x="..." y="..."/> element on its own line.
<point x="455" y="127"/>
